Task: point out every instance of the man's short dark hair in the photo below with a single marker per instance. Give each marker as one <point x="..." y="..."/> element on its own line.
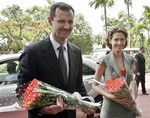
<point x="62" y="6"/>
<point x="141" y="47"/>
<point x="11" y="67"/>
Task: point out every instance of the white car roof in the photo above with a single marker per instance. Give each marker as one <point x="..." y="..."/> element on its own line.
<point x="5" y="57"/>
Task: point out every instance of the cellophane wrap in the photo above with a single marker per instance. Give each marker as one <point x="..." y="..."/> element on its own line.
<point x="118" y="87"/>
<point x="39" y="94"/>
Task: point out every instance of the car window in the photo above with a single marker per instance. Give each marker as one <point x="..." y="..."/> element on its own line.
<point x="8" y="80"/>
<point x="8" y="72"/>
<point x="87" y="70"/>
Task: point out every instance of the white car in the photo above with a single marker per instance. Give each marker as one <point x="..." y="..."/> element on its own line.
<point x="98" y="52"/>
<point x="8" y="84"/>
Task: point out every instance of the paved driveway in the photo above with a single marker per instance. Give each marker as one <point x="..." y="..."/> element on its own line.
<point x="16" y="114"/>
<point x="147" y="84"/>
<point x="143" y="100"/>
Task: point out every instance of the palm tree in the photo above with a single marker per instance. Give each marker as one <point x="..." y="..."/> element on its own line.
<point x="104" y="4"/>
<point x="138" y="30"/>
<point x="146" y="21"/>
<point x="128" y="4"/>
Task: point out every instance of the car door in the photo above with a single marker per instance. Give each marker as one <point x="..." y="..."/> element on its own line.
<point x="8" y="77"/>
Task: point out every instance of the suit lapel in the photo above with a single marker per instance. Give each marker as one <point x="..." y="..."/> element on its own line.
<point x="72" y="63"/>
<point x="114" y="65"/>
<point x="50" y="57"/>
<point x="141" y="56"/>
<point x="52" y="61"/>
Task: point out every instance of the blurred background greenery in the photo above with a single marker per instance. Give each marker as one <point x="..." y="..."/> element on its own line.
<point x="20" y="27"/>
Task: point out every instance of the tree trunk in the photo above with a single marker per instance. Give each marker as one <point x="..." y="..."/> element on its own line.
<point x="105" y="15"/>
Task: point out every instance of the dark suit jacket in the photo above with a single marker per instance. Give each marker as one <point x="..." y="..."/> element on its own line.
<point x="40" y="61"/>
<point x="140" y="63"/>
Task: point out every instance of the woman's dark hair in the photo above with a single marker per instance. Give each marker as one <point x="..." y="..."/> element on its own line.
<point x="62" y="6"/>
<point x="114" y="30"/>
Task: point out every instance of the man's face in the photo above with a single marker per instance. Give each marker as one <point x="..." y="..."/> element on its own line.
<point x="142" y="50"/>
<point x="62" y="24"/>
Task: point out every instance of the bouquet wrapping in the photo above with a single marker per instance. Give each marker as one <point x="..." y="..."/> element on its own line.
<point x="118" y="87"/>
<point x="39" y="94"/>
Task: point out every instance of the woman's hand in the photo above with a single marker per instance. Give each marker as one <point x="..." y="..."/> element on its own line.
<point x="53" y="109"/>
<point x="122" y="101"/>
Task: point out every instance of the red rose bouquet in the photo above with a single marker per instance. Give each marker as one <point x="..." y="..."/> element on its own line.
<point x="118" y="87"/>
<point x="39" y="94"/>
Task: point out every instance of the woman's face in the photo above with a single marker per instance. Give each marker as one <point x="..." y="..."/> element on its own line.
<point x="118" y="41"/>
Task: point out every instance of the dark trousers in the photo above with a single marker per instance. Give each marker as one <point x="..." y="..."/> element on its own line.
<point x="141" y="79"/>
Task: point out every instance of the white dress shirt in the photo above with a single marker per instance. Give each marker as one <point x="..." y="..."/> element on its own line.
<point x="55" y="45"/>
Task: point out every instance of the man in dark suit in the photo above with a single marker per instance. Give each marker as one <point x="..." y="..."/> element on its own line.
<point x="140" y="69"/>
<point x="40" y="61"/>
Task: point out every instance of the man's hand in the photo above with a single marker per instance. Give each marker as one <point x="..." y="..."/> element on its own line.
<point x="88" y="111"/>
<point x="53" y="109"/>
